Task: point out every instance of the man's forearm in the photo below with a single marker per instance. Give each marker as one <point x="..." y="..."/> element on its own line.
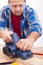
<point x="33" y="36"/>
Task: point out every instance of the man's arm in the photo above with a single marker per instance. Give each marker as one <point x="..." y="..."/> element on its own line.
<point x="33" y="37"/>
<point x="5" y="35"/>
<point x="35" y="30"/>
<point x="35" y="26"/>
<point x="26" y="44"/>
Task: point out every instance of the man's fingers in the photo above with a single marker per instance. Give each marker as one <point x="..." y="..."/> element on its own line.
<point x="18" y="44"/>
<point x="28" y="48"/>
<point x="10" y="32"/>
<point x="21" y="46"/>
<point x="25" y="47"/>
<point x="10" y="38"/>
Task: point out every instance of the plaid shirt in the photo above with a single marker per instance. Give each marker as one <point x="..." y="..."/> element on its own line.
<point x="29" y="21"/>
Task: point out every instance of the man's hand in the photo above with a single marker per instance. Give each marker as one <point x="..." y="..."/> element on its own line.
<point x="24" y="44"/>
<point x="6" y="36"/>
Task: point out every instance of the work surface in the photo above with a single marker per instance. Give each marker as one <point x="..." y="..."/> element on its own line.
<point x="37" y="59"/>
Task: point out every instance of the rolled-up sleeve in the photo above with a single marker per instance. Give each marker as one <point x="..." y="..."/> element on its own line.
<point x="34" y="23"/>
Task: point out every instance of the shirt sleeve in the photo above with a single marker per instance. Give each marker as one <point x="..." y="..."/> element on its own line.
<point x="2" y="20"/>
<point x="33" y="21"/>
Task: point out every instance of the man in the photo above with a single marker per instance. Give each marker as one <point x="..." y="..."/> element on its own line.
<point x="21" y="19"/>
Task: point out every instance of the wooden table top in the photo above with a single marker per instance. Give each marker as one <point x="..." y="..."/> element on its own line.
<point x="37" y="58"/>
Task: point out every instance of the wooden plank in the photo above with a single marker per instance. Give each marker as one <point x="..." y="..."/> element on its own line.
<point x="37" y="50"/>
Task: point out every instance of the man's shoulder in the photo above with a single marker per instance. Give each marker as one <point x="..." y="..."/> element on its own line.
<point x="6" y="9"/>
<point x="28" y="8"/>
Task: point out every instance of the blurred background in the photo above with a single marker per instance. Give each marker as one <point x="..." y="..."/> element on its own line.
<point x="38" y="6"/>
